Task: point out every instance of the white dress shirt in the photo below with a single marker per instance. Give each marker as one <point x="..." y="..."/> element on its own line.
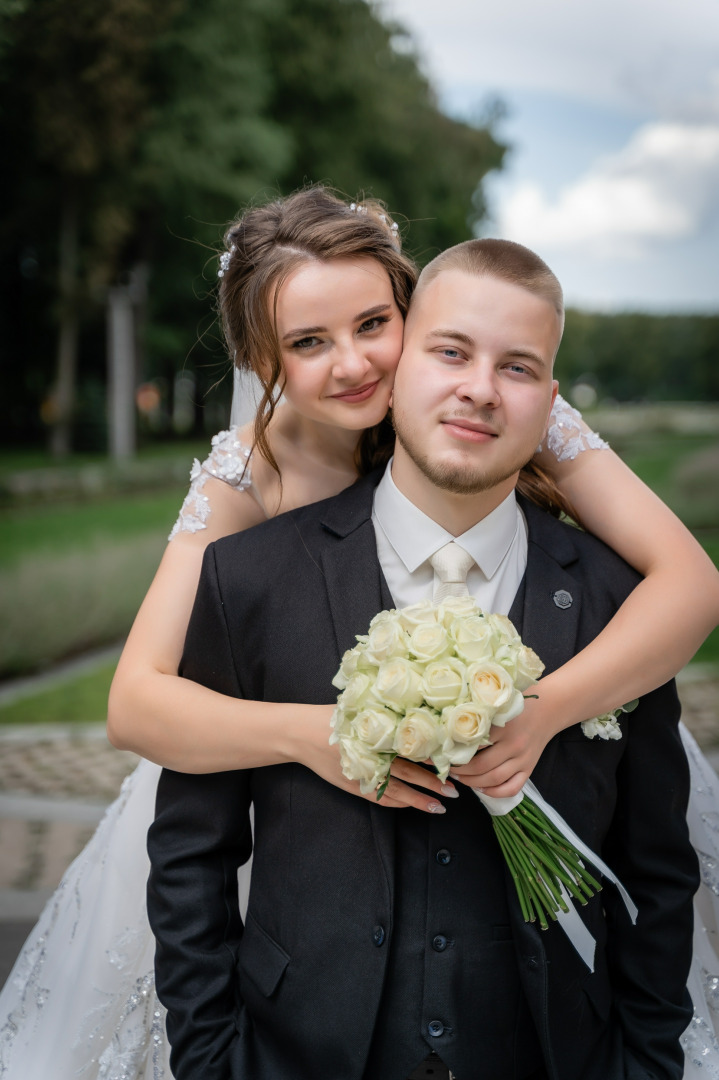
<point x="407" y="539"/>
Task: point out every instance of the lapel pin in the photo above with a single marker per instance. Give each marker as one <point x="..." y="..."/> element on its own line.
<point x="562" y="599"/>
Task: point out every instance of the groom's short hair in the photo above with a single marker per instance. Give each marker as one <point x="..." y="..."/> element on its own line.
<point x="501" y="259"/>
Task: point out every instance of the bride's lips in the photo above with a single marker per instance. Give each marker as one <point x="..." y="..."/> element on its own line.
<point x="357" y="393"/>
<point x="469" y="430"/>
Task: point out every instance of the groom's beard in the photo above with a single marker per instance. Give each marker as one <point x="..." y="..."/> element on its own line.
<point x="459" y="478"/>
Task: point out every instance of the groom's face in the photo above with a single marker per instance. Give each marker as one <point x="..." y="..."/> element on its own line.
<point x="474" y="387"/>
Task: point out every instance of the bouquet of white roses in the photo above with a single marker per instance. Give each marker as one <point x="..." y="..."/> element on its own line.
<point x="426" y="683"/>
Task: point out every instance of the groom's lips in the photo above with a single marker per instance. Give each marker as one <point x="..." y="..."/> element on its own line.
<point x="469" y="430"/>
<point x="357" y="393"/>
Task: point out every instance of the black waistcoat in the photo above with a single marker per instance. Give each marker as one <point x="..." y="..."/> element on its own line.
<point x="452" y="980"/>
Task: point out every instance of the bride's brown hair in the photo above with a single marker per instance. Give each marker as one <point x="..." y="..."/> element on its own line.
<point x="263" y="247"/>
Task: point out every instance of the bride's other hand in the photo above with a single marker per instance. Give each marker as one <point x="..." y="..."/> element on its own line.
<point x="500" y="770"/>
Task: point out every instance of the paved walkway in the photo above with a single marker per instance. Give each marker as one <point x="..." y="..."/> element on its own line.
<point x="56" y="781"/>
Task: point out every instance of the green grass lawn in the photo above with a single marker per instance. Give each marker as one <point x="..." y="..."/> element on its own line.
<point x="79" y="700"/>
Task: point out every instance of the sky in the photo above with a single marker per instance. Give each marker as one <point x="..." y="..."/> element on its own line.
<point x="613" y="119"/>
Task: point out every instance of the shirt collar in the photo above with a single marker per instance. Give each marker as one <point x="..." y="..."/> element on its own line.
<point x="415" y="536"/>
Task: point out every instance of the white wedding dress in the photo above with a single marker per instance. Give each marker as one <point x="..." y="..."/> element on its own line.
<point x="80" y="1003"/>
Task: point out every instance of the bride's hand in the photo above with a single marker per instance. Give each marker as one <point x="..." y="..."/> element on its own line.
<point x="501" y="769"/>
<point x="311" y="748"/>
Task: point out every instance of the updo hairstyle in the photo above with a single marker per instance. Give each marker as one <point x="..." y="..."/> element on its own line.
<point x="263" y="247"/>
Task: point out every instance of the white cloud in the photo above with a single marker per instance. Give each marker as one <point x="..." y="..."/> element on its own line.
<point x="661" y="187"/>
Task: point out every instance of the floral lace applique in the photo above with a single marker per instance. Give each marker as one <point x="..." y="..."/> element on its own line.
<point x="229" y="460"/>
<point x="568" y="435"/>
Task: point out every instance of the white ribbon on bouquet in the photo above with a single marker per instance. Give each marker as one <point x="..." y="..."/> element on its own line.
<point x="570" y="920"/>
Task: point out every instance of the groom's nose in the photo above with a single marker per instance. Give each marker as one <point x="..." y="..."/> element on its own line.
<point x="478" y="385"/>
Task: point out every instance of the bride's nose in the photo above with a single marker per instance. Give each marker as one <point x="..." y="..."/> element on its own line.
<point x="349" y="362"/>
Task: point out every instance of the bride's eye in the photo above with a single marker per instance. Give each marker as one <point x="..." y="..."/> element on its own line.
<point x="373" y="323"/>
<point x="306" y="343"/>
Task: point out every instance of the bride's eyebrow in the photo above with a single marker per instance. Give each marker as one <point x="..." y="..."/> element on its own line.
<point x="307" y="331"/>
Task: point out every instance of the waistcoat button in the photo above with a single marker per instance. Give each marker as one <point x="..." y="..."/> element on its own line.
<point x="443" y="856"/>
<point x="435" y="1028"/>
<point x="439" y="943"/>
<point x="378" y="935"/>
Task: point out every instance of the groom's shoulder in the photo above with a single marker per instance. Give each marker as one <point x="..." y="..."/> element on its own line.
<point x="305" y="528"/>
<point x="583" y="555"/>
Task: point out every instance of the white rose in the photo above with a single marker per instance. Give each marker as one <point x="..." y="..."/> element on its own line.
<point x="489" y="684"/>
<point x="385" y="640"/>
<point x="467" y="724"/>
<point x="504" y="628"/>
<point x="529" y="668"/>
<point x="358" y="692"/>
<point x="383" y="617"/>
<point x="352" y="661"/>
<point x="340" y="724"/>
<point x="444" y="683"/>
<point x="606" y="727"/>
<point x="457" y="607"/>
<point x="474" y="638"/>
<point x="361" y="763"/>
<point x="375" y="728"/>
<point x="507" y="712"/>
<point x="414" y="615"/>
<point x="429" y="641"/>
<point x="398" y="684"/>
<point x="418" y="734"/>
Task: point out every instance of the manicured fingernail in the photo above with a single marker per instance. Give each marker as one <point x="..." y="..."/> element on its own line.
<point x="436" y="808"/>
<point x="450" y="791"/>
<point x="455" y="776"/>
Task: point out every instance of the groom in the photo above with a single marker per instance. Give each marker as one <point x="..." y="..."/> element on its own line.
<point x="382" y="945"/>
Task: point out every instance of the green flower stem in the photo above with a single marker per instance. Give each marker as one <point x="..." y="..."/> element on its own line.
<point x="572" y="875"/>
<point x="515" y="878"/>
<point x="545" y="900"/>
<point x="539" y="823"/>
<point x="521" y="873"/>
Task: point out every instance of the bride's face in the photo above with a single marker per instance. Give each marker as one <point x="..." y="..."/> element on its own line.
<point x="340" y="335"/>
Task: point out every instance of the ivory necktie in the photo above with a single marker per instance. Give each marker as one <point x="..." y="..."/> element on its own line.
<point x="451" y="564"/>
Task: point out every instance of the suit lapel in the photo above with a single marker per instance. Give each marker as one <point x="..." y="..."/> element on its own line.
<point x="356" y="592"/>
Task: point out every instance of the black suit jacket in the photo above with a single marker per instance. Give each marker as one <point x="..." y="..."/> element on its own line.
<point x="294" y="992"/>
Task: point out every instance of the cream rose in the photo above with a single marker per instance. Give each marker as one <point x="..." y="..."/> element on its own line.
<point x="419" y="733"/>
<point x="361" y="763"/>
<point x="444" y="683"/>
<point x="429" y="641"/>
<point x="358" y="692"/>
<point x="489" y="684"/>
<point x="417" y="614"/>
<point x="385" y="640"/>
<point x="398" y="685"/>
<point x="375" y="728"/>
<point x="473" y="637"/>
<point x="505" y="629"/>
<point x="467" y="724"/>
<point x="529" y="668"/>
<point x="457" y="607"/>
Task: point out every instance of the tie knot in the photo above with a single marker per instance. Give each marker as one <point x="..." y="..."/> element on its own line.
<point x="450" y="565"/>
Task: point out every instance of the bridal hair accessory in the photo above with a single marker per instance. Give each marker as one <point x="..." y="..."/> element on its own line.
<point x="225" y="259"/>
<point x="358" y="208"/>
<point x="428" y="682"/>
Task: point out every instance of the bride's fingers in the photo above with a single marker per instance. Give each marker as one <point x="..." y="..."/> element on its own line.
<point x="412" y="773"/>
<point x="400" y="796"/>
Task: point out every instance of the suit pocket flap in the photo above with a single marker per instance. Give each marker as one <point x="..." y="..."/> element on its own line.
<point x="261" y="958"/>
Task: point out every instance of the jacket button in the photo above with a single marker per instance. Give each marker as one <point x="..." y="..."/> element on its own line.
<point x="435" y="1028"/>
<point x="378" y="936"/>
<point x="443" y="856"/>
<point x="439" y="943"/>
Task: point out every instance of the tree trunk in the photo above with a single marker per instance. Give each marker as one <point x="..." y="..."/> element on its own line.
<point x="64" y="391"/>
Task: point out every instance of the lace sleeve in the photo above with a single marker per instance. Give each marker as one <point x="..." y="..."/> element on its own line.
<point x="568" y="435"/>
<point x="229" y="460"/>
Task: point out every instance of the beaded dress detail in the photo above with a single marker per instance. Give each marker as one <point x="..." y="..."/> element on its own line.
<point x="80" y="1003"/>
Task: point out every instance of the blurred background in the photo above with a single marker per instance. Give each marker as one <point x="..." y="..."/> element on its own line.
<point x="133" y="131"/>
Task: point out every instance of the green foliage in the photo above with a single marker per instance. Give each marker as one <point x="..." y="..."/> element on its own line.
<point x="642" y="357"/>
<point x="153" y="123"/>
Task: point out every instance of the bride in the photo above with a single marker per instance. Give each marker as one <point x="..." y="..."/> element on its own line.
<point x="80" y="1001"/>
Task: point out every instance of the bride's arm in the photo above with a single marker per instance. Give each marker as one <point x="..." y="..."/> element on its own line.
<point x="189" y="728"/>
<point x="641" y="647"/>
